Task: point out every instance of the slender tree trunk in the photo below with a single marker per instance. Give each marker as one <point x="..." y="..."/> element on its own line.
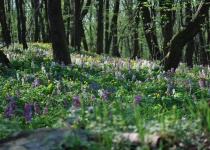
<point x="167" y="22"/>
<point x="36" y="18"/>
<point x="100" y="28"/>
<point x="59" y="43"/>
<point x="77" y="25"/>
<point x="115" y="48"/>
<point x="46" y="22"/>
<point x="85" y="45"/>
<point x="208" y="37"/>
<point x="23" y="20"/>
<point x="42" y="25"/>
<point x="18" y="21"/>
<point x="135" y="35"/>
<point x="67" y="13"/>
<point x="107" y="27"/>
<point x="203" y="54"/>
<point x="190" y="49"/>
<point x="180" y="39"/>
<point x="5" y="30"/>
<point x="149" y="30"/>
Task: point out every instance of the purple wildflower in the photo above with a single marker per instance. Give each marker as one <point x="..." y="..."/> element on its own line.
<point x="45" y="111"/>
<point x="10" y="107"/>
<point x="6" y="96"/>
<point x="137" y="98"/>
<point x="105" y="95"/>
<point x="185" y="84"/>
<point x="92" y="97"/>
<point x="36" y="109"/>
<point x="75" y="101"/>
<point x="66" y="102"/>
<point x="200" y="82"/>
<point x="172" y="70"/>
<point x="27" y="112"/>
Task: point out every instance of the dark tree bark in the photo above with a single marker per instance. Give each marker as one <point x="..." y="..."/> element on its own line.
<point x="107" y="27"/>
<point x="115" y="48"/>
<point x="45" y="38"/>
<point x="135" y="35"/>
<point x="190" y="49"/>
<point x="46" y="22"/>
<point x="149" y="31"/>
<point x="18" y="21"/>
<point x="83" y="14"/>
<point x="113" y="31"/>
<point x="100" y="28"/>
<point x="6" y="34"/>
<point x="203" y="54"/>
<point x="180" y="39"/>
<point x="77" y="25"/>
<point x="167" y="22"/>
<point x="35" y="5"/>
<point x="59" y="43"/>
<point x="5" y="30"/>
<point x="23" y="21"/>
<point x="208" y="37"/>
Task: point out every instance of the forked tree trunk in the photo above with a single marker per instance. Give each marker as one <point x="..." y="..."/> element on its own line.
<point x="149" y="30"/>
<point x="180" y="39"/>
<point x="59" y="43"/>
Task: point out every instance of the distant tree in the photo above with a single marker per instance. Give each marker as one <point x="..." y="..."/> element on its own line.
<point x="106" y="26"/>
<point x="57" y="31"/>
<point x="134" y="19"/>
<point x="35" y="5"/>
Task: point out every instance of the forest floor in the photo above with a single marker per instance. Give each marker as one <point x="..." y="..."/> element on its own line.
<point x="120" y="103"/>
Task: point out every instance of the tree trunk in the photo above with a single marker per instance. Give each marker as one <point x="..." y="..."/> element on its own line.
<point x="149" y="30"/>
<point x="203" y="54"/>
<point x="23" y="20"/>
<point x="107" y="27"/>
<point x="100" y="28"/>
<point x="5" y="30"/>
<point x="67" y="13"/>
<point x="179" y="40"/>
<point x="85" y="45"/>
<point x="208" y="37"/>
<point x="190" y="49"/>
<point x="77" y="25"/>
<point x="42" y="25"/>
<point x="135" y="35"/>
<point x="59" y="43"/>
<point x="167" y="23"/>
<point x="36" y="18"/>
<point x="46" y="22"/>
<point x="115" y="50"/>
